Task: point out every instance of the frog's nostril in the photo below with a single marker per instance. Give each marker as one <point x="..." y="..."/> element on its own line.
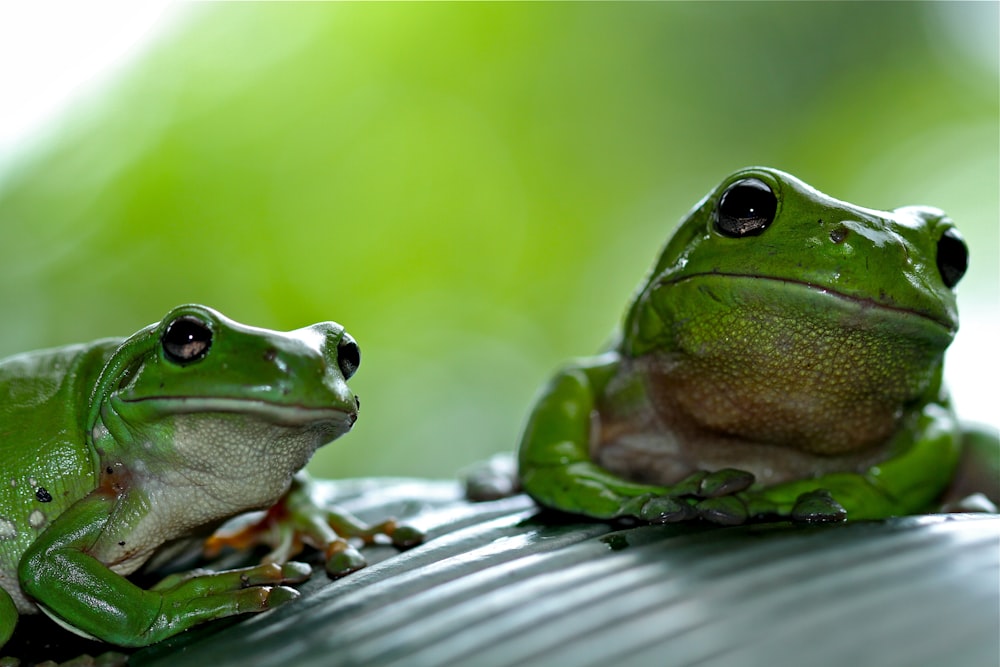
<point x="357" y="402"/>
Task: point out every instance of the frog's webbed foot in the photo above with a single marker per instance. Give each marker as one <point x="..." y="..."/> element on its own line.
<point x="297" y="520"/>
<point x="712" y="496"/>
<point x="723" y="498"/>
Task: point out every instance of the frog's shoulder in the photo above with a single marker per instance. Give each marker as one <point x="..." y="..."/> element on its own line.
<point x="49" y="390"/>
<point x="54" y="368"/>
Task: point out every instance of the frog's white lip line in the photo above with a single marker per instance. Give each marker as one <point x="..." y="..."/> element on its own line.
<point x="870" y="303"/>
<point x="285" y="413"/>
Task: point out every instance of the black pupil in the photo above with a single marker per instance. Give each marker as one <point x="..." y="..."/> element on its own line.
<point x="746" y="208"/>
<point x="186" y="339"/>
<point x="348" y="356"/>
<point x="952" y="257"/>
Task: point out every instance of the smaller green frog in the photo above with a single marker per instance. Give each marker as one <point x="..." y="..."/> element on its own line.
<point x="782" y="361"/>
<point x="112" y="450"/>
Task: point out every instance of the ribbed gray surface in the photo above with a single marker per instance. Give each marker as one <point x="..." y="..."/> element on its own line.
<point x="497" y="584"/>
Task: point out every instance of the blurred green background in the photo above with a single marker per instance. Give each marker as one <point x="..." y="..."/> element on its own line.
<point x="474" y="190"/>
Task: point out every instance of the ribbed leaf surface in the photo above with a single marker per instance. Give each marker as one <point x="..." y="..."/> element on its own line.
<point x="500" y="584"/>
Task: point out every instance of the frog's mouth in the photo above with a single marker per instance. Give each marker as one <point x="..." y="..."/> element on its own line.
<point x="285" y="414"/>
<point x="862" y="303"/>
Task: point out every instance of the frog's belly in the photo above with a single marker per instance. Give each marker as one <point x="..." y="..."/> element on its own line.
<point x="664" y="459"/>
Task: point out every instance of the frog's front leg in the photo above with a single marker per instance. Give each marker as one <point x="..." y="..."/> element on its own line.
<point x="556" y="470"/>
<point x="298" y="520"/>
<point x="86" y="596"/>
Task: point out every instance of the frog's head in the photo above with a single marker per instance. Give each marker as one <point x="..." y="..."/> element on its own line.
<point x="200" y="391"/>
<point x="762" y="225"/>
<point x="775" y="299"/>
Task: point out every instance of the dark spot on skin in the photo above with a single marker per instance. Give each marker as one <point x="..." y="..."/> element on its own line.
<point x="270" y="354"/>
<point x="122" y="543"/>
<point x="109" y="470"/>
<point x="43" y="495"/>
<point x="838" y="234"/>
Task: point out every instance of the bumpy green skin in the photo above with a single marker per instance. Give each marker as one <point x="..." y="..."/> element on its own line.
<point x="111" y="449"/>
<point x="808" y="355"/>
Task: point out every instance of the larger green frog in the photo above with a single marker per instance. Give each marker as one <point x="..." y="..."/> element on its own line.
<point x="112" y="449"/>
<point x="783" y="360"/>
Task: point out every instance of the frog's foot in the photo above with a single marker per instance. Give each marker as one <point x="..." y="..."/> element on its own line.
<point x="666" y="509"/>
<point x="297" y="521"/>
<point x="818" y="507"/>
<point x="703" y="495"/>
<point x="341" y="556"/>
<point x="724" y="510"/>
<point x="809" y="507"/>
<point x="270" y="576"/>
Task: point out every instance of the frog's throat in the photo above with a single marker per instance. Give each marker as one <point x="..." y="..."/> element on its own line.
<point x="947" y="324"/>
<point x="277" y="413"/>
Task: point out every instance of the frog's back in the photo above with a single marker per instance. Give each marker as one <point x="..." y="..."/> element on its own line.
<point x="46" y="463"/>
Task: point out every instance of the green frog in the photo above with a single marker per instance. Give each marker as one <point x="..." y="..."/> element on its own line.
<point x="112" y="450"/>
<point x="783" y="360"/>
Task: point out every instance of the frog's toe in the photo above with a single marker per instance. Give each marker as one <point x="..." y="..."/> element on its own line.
<point x="666" y="509"/>
<point x="690" y="485"/>
<point x="723" y="510"/>
<point x="342" y="559"/>
<point x="279" y="595"/>
<point x="404" y="537"/>
<point x="294" y="572"/>
<point x="724" y="482"/>
<point x="818" y="507"/>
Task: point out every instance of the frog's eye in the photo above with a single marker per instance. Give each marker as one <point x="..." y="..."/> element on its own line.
<point x="746" y="208"/>
<point x="186" y="340"/>
<point x="952" y="257"/>
<point x="348" y="356"/>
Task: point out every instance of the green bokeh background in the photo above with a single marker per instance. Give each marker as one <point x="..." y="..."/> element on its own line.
<point x="474" y="190"/>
